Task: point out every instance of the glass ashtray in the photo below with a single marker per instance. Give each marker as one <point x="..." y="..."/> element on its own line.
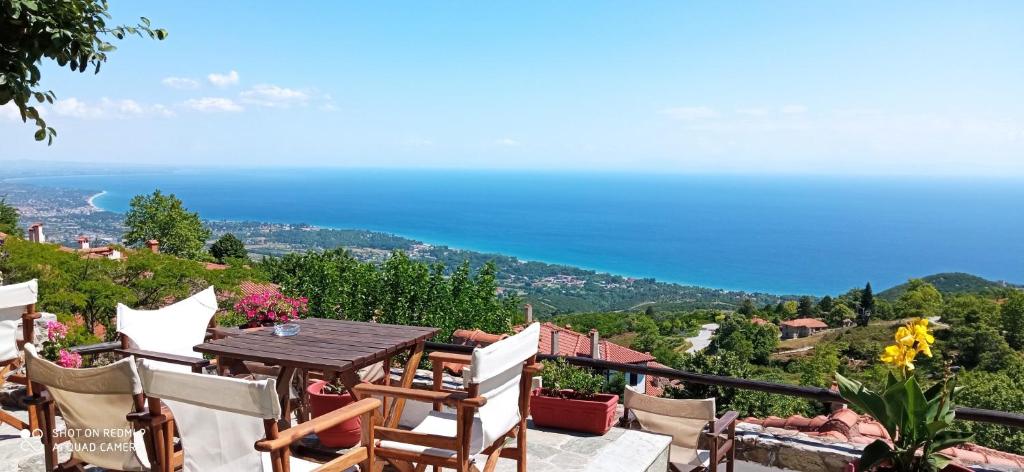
<point x="287" y="329"/>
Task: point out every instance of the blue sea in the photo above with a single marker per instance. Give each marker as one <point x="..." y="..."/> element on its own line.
<point x="784" y="235"/>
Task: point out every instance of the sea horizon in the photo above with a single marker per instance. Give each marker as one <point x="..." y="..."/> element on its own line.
<point x="732" y="232"/>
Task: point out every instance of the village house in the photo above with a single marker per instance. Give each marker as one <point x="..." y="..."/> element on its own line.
<point x="801" y="327"/>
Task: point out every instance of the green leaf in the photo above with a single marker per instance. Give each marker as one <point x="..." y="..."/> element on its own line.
<point x="40" y="134"/>
<point x="947" y="439"/>
<point x="107" y="47"/>
<point x="873" y="454"/>
<point x="855" y="392"/>
<point x="144" y="20"/>
<point x="938" y="461"/>
<point x="161" y="34"/>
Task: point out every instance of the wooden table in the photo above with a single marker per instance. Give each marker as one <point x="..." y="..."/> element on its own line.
<point x="338" y="348"/>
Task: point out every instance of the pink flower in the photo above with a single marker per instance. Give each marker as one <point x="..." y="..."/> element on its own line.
<point x="55" y="330"/>
<point x="72" y="360"/>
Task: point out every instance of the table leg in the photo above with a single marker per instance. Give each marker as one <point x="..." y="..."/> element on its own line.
<point x="395" y="414"/>
<point x="284" y="393"/>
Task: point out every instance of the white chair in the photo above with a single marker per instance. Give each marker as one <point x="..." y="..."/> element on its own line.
<point x="168" y="334"/>
<point x="17" y="306"/>
<point x="493" y="409"/>
<point x="687" y="421"/>
<point x="103" y="411"/>
<point x="221" y="418"/>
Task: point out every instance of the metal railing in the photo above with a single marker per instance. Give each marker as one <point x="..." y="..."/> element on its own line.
<point x="823" y="395"/>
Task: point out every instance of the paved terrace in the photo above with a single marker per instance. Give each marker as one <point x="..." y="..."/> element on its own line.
<point x="549" y="450"/>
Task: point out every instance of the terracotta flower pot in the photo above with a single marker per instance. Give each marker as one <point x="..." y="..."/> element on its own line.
<point x="596" y="415"/>
<point x="346" y="434"/>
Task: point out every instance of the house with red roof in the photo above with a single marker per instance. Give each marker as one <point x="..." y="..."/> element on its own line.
<point x="801" y="327"/>
<point x="563" y="341"/>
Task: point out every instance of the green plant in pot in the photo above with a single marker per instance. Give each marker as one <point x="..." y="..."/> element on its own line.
<point x="572" y="400"/>
<point x="917" y="419"/>
<point x="325" y="397"/>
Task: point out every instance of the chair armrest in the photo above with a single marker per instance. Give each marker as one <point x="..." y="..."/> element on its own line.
<point x="194" y="362"/>
<point x="316" y="425"/>
<point x="720" y="425"/>
<point x="452" y="357"/>
<point x="35" y="315"/>
<point x="430" y="396"/>
<point x="533" y="369"/>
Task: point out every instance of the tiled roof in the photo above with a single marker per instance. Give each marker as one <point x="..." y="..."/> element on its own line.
<point x="654" y="386"/>
<point x="571" y="343"/>
<point x="845" y="425"/>
<point x="759" y="321"/>
<point x="249" y="287"/>
<point x="805" y="323"/>
<point x="216" y="266"/>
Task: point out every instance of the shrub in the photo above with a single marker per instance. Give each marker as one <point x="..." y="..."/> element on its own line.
<point x="560" y="375"/>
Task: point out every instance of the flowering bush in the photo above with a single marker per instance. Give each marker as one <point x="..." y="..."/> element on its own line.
<point x="918" y="420"/>
<point x="56" y="344"/>
<point x="271" y="307"/>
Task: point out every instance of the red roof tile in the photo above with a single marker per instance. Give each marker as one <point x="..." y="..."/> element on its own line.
<point x="249" y="287"/>
<point x="572" y="343"/>
<point x="759" y="321"/>
<point x="846" y="425"/>
<point x="805" y="323"/>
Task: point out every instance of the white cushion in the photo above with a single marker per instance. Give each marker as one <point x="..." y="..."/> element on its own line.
<point x="440" y="424"/>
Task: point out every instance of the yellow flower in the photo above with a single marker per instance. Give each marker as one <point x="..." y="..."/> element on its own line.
<point x="899" y="356"/>
<point x="904" y="336"/>
<point x="911" y="340"/>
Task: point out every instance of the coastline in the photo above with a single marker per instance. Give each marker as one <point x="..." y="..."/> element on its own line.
<point x="92" y="201"/>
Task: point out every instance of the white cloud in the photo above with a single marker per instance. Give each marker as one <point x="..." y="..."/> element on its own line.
<point x="10" y="112"/>
<point x="107" y="108"/>
<point x="793" y="109"/>
<point x="213" y="104"/>
<point x="508" y="142"/>
<point x="752" y="111"/>
<point x="223" y="80"/>
<point x="691" y="113"/>
<point x="269" y="95"/>
<point x="181" y="83"/>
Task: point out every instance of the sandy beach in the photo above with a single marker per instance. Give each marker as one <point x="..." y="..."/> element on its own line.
<point x="92" y="201"/>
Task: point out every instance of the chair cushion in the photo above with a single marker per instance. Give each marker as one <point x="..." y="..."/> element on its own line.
<point x="685" y="458"/>
<point x="440" y="424"/>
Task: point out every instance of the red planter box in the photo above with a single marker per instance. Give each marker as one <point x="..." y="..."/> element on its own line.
<point x="595" y="416"/>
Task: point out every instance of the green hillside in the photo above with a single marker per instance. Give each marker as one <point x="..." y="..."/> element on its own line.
<point x="951" y="283"/>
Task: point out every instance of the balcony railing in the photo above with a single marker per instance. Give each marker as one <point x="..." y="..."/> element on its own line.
<point x="824" y="395"/>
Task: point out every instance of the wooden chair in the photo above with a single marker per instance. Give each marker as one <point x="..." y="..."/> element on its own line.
<point x="220" y="419"/>
<point x="168" y="334"/>
<point x="492" y="409"/>
<point x="104" y="415"/>
<point x="688" y="422"/>
<point x="17" y="305"/>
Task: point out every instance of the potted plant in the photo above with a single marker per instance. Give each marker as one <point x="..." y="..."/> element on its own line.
<point x="571" y="400"/>
<point x="917" y="419"/>
<point x="271" y="308"/>
<point x="325" y="397"/>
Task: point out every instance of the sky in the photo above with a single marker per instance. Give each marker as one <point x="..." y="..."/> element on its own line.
<point x="762" y="87"/>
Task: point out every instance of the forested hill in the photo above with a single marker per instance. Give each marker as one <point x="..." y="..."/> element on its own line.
<point x="952" y="283"/>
